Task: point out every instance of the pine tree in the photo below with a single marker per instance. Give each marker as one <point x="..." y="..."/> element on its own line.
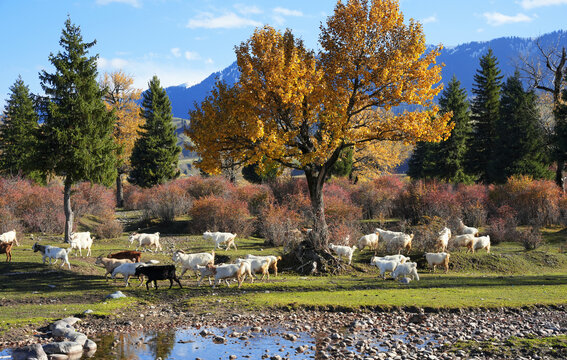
<point x="76" y="136"/>
<point x="451" y="153"/>
<point x="422" y="163"/>
<point x="18" y="132"/>
<point x="519" y="149"/>
<point x="485" y="114"/>
<point x="155" y="155"/>
<point x="560" y="135"/>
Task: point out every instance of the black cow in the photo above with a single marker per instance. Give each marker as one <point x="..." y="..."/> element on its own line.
<point x="158" y="272"/>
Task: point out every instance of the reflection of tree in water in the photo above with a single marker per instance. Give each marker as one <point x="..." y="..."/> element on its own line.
<point x="161" y="343"/>
<point x="124" y="350"/>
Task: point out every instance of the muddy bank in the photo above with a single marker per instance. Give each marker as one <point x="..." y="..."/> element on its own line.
<point x="405" y="333"/>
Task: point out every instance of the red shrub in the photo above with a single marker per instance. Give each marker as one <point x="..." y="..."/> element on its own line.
<point x="376" y="198"/>
<point x="109" y="227"/>
<point x="474" y="203"/>
<point x="166" y="201"/>
<point x="199" y="187"/>
<point x="283" y="188"/>
<point x="94" y="199"/>
<point x="218" y="214"/>
<point x="440" y="200"/>
<point x="258" y="197"/>
<point x="340" y="211"/>
<point x="277" y="224"/>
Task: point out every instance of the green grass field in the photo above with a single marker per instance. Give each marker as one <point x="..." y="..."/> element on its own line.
<point x="507" y="277"/>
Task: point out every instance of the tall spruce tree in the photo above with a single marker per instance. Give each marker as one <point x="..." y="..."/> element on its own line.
<point x="18" y="132"/>
<point x="451" y="153"/>
<point x="485" y="113"/>
<point x="520" y="146"/>
<point x="155" y="155"/>
<point x="560" y="136"/>
<point x="423" y="161"/>
<point x="76" y="136"/>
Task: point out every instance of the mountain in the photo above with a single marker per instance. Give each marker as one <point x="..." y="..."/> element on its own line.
<point x="461" y="61"/>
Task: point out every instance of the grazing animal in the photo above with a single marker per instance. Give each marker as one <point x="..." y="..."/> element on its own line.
<point x="205" y="271"/>
<point x="257" y="266"/>
<point x="401" y="242"/>
<point x="158" y="272"/>
<point x="398" y="257"/>
<point x="190" y="261"/>
<point x="370" y="240"/>
<point x="148" y="240"/>
<point x="346" y="251"/>
<point x="6" y="248"/>
<point x="9" y="236"/>
<point x="463" y="240"/>
<point x="387" y="235"/>
<point x="463" y="229"/>
<point x="110" y="264"/>
<point x="221" y="238"/>
<point x="135" y="256"/>
<point x="434" y="259"/>
<point x="127" y="270"/>
<point x="81" y="240"/>
<point x="443" y="239"/>
<point x="384" y="265"/>
<point x="271" y="258"/>
<point x="479" y="243"/>
<point x="408" y="269"/>
<point x="53" y="252"/>
<point x="231" y="271"/>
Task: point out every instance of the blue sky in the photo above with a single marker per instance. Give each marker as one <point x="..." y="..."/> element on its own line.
<point x="185" y="41"/>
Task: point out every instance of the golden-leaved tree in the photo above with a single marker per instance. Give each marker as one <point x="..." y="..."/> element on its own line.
<point x="122" y="97"/>
<point x="300" y="109"/>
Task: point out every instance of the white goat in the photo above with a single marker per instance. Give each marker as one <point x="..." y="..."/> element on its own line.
<point x="463" y="229"/>
<point x="81" y="240"/>
<point x="221" y="238"/>
<point x="384" y="265"/>
<point x="127" y="270"/>
<point x="463" y="240"/>
<point x="9" y="236"/>
<point x="190" y="261"/>
<point x="271" y="258"/>
<point x="231" y="271"/>
<point x="148" y="240"/>
<point x="387" y="235"/>
<point x="434" y="259"/>
<point x="370" y="240"/>
<point x="53" y="252"/>
<point x="443" y="239"/>
<point x="346" y="251"/>
<point x="409" y="269"/>
<point x="205" y="271"/>
<point x="257" y="266"/>
<point x="398" y="257"/>
<point x="400" y="242"/>
<point x="479" y="243"/>
<point x="110" y="264"/>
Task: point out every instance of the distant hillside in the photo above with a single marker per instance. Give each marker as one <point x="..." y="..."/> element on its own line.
<point x="461" y="61"/>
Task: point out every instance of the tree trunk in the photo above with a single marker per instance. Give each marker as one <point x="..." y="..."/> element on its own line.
<point x="559" y="172"/>
<point x="119" y="191"/>
<point x="68" y="211"/>
<point x="320" y="229"/>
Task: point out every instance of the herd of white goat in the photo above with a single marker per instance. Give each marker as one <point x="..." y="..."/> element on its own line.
<point x="127" y="263"/>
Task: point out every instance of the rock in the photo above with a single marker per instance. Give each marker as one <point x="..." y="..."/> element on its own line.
<point x="219" y="340"/>
<point x="232" y="357"/>
<point x="290" y="337"/>
<point x="60" y="357"/>
<point x="63" y="347"/>
<point x="89" y="311"/>
<point x="61" y="328"/>
<point x="405" y="280"/>
<point x="29" y="352"/>
<point x="90" y="345"/>
<point x="115" y="295"/>
<point x="71" y="320"/>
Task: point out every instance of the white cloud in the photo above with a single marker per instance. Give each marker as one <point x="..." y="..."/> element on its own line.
<point x="247" y="10"/>
<point x="428" y="20"/>
<point x="176" y="52"/>
<point x="209" y="61"/>
<point x="190" y="55"/>
<point x="497" y="19"/>
<point x="227" y="21"/>
<point x="530" y="4"/>
<point x="134" y="3"/>
<point x="279" y="20"/>
<point x="111" y="64"/>
<point x="287" y="12"/>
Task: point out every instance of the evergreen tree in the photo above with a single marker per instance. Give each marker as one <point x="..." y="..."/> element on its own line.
<point x="76" y="136"/>
<point x="18" y="132"/>
<point x="155" y="155"/>
<point x="343" y="166"/>
<point x="485" y="114"/>
<point x="519" y="146"/>
<point x="560" y="135"/>
<point x="422" y="163"/>
<point x="451" y="153"/>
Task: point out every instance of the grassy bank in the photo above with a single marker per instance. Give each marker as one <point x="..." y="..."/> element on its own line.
<point x="508" y="277"/>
